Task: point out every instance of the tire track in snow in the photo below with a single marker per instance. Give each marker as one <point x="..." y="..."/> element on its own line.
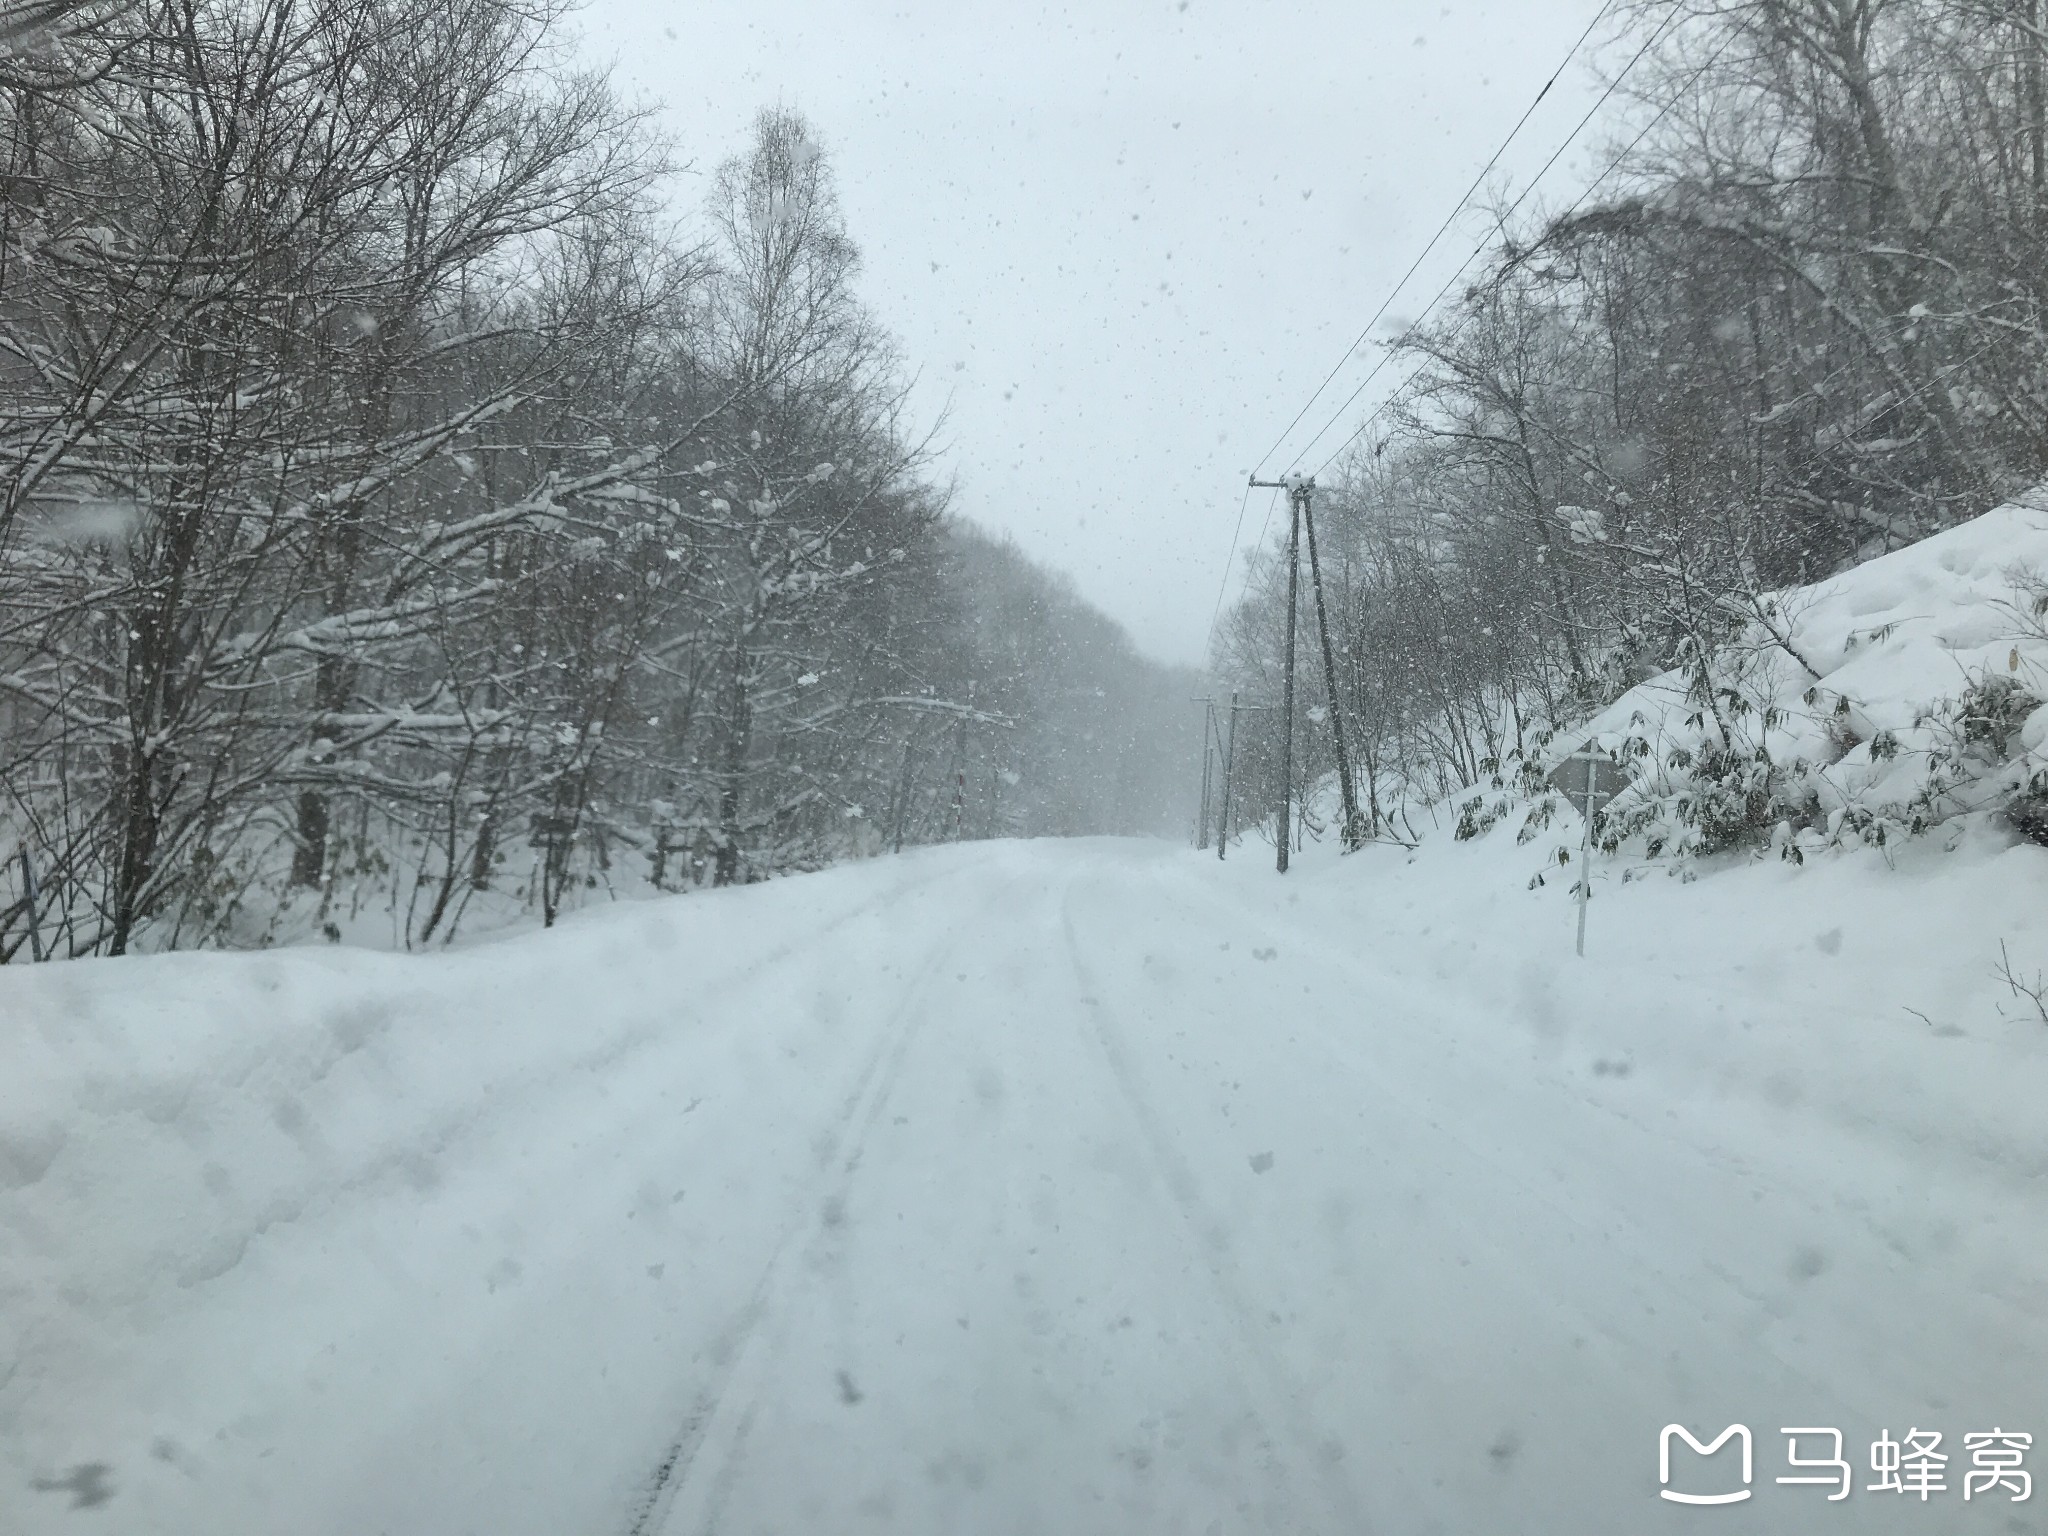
<point x="1630" y="1278"/>
<point x="1211" y="1251"/>
<point x="514" y="1100"/>
<point x="1649" y="1275"/>
<point x="741" y="1347"/>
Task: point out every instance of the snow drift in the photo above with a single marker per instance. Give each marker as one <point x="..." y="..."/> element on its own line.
<point x="1897" y="698"/>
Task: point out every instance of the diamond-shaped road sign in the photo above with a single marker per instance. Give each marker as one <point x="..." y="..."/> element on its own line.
<point x="1585" y="773"/>
<point x="1589" y="780"/>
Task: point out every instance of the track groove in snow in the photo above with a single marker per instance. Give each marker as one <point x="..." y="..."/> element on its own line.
<point x="1307" y="1462"/>
<point x="741" y="1339"/>
<point x="1086" y="1187"/>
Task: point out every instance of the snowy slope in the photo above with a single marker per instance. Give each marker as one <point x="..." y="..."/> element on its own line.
<point x="1087" y="1187"/>
<point x="1882" y="702"/>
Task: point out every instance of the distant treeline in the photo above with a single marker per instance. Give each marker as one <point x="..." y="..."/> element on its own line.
<point x="392" y="495"/>
<point x="1805" y="322"/>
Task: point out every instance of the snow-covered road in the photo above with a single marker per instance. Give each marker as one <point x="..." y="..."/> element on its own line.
<point x="1079" y="1188"/>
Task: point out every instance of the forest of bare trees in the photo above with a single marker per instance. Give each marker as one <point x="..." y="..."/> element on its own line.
<point x="399" y="505"/>
<point x="1804" y="322"/>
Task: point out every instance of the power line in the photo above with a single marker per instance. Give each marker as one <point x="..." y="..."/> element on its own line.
<point x="1577" y="203"/>
<point x="1223" y="586"/>
<point x="1265" y="523"/>
<point x="1477" y="251"/>
<point x="1268" y="523"/>
<point x="1442" y="229"/>
<point x="1484" y="245"/>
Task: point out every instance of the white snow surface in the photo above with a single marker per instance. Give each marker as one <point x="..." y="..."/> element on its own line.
<point x="1093" y="1188"/>
<point x="1878" y="654"/>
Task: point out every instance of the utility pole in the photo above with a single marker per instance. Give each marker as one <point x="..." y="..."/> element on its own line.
<point x="1208" y="758"/>
<point x="1229" y="763"/>
<point x="1300" y="491"/>
<point x="1354" y="834"/>
<point x="1293" y="486"/>
<point x="1229" y="756"/>
<point x="1223" y="812"/>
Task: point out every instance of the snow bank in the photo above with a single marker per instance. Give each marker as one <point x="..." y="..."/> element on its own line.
<point x="1889" y="718"/>
<point x="326" y="1241"/>
<point x="1865" y="987"/>
<point x="1085" y="1185"/>
<point x="273" y="1194"/>
<point x="1899" y="697"/>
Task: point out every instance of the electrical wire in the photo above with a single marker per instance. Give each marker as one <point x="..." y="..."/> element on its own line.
<point x="1485" y="245"/>
<point x="1229" y="559"/>
<point x="1442" y="229"/>
<point x="1223" y="586"/>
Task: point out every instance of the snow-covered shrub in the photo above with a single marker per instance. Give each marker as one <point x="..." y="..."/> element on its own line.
<point x="1988" y="714"/>
<point x="1968" y="739"/>
<point x="2026" y="810"/>
<point x="1476" y="817"/>
<point x="1538" y="821"/>
<point x="1876" y="706"/>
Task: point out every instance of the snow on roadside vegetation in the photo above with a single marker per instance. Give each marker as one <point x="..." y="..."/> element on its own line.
<point x="189" y="1141"/>
<point x="1861" y="777"/>
<point x="1899" y="699"/>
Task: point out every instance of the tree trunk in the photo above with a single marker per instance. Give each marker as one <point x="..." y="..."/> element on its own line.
<point x="2036" y="107"/>
<point x="136" y="814"/>
<point x="732" y="785"/>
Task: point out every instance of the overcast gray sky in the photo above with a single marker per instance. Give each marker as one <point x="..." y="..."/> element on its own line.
<point x="1123" y="241"/>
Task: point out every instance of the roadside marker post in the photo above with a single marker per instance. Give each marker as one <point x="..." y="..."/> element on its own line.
<point x="1589" y="779"/>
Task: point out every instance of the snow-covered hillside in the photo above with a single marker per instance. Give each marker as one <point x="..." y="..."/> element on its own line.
<point x="1089" y="1187"/>
<point x="1900" y="699"/>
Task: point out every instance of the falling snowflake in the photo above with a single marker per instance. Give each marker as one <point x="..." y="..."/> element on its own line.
<point x="1583" y="525"/>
